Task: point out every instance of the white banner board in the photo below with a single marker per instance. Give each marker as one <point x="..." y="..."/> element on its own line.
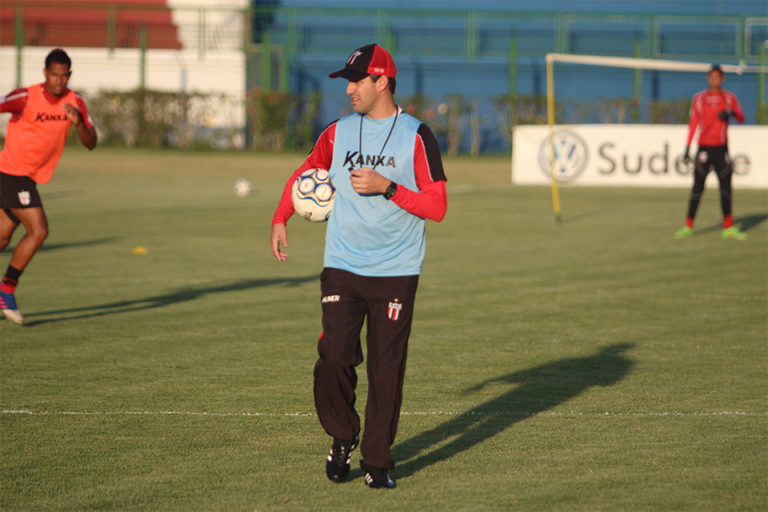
<point x="630" y="155"/>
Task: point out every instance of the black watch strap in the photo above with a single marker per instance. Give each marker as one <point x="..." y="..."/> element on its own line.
<point x="391" y="189"/>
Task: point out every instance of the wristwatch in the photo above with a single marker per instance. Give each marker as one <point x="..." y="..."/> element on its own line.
<point x="391" y="189"/>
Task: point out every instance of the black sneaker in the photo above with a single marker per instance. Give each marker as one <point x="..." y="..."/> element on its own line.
<point x="337" y="462"/>
<point x="377" y="478"/>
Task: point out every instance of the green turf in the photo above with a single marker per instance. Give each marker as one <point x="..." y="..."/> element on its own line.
<point x="594" y="365"/>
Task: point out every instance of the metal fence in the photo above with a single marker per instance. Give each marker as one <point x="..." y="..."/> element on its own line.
<point x="291" y="33"/>
<point x="480" y="54"/>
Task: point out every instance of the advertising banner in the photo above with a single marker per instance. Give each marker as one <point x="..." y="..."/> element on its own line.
<point x="630" y="155"/>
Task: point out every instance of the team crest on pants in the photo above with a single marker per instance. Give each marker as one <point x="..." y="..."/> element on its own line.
<point x="393" y="310"/>
<point x="24" y="197"/>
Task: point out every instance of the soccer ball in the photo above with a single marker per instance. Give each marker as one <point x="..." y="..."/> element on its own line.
<point x="312" y="195"/>
<point x="243" y="187"/>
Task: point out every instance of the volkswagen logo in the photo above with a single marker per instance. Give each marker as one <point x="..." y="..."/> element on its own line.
<point x="570" y="155"/>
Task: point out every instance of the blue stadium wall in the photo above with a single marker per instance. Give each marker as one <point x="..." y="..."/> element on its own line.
<point x="430" y="46"/>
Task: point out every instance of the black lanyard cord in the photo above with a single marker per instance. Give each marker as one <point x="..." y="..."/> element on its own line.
<point x="360" y="144"/>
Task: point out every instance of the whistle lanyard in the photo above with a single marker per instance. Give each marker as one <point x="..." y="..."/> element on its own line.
<point x="360" y="144"/>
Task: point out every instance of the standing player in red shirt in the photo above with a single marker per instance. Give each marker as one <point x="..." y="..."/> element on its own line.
<point x="711" y="110"/>
<point x="41" y="117"/>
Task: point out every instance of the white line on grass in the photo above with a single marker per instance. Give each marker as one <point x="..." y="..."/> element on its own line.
<point x="147" y="413"/>
<point x="524" y="414"/>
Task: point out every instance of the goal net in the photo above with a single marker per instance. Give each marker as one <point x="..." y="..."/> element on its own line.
<point x="638" y="64"/>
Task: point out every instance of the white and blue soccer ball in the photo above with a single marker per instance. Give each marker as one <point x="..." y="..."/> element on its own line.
<point x="243" y="187"/>
<point x="313" y="195"/>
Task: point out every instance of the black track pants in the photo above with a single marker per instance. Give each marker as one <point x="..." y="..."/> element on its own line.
<point x="387" y="304"/>
<point x="707" y="157"/>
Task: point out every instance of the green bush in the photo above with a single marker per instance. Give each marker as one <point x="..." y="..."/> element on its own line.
<point x="281" y="120"/>
<point x="603" y="111"/>
<point x="149" y="118"/>
<point x="515" y="109"/>
<point x="669" y="111"/>
<point x="447" y="118"/>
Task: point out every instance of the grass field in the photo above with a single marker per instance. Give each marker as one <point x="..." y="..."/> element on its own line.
<point x="595" y="365"/>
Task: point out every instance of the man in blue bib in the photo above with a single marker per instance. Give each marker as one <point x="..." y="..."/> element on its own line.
<point x="389" y="179"/>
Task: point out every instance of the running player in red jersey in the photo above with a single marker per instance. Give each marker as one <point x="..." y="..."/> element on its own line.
<point x="41" y="116"/>
<point x="711" y="110"/>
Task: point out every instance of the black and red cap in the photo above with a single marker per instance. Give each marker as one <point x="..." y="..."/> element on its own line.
<point x="371" y="59"/>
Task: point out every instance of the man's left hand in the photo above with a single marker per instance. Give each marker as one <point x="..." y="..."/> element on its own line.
<point x="725" y="115"/>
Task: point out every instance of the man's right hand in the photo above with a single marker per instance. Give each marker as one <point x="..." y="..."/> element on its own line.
<point x="279" y="236"/>
<point x="687" y="155"/>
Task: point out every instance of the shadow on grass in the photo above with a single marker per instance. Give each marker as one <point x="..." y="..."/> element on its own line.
<point x="158" y="301"/>
<point x="68" y="245"/>
<point x="535" y="391"/>
<point x="745" y="223"/>
<point x="87" y="243"/>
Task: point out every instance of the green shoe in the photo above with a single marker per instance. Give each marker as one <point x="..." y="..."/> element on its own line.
<point x="683" y="232"/>
<point x="733" y="233"/>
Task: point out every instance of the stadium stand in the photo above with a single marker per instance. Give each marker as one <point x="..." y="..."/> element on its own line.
<point x="91" y="24"/>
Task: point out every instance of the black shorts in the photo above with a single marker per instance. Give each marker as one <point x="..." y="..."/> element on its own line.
<point x="18" y="192"/>
<point x="713" y="156"/>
